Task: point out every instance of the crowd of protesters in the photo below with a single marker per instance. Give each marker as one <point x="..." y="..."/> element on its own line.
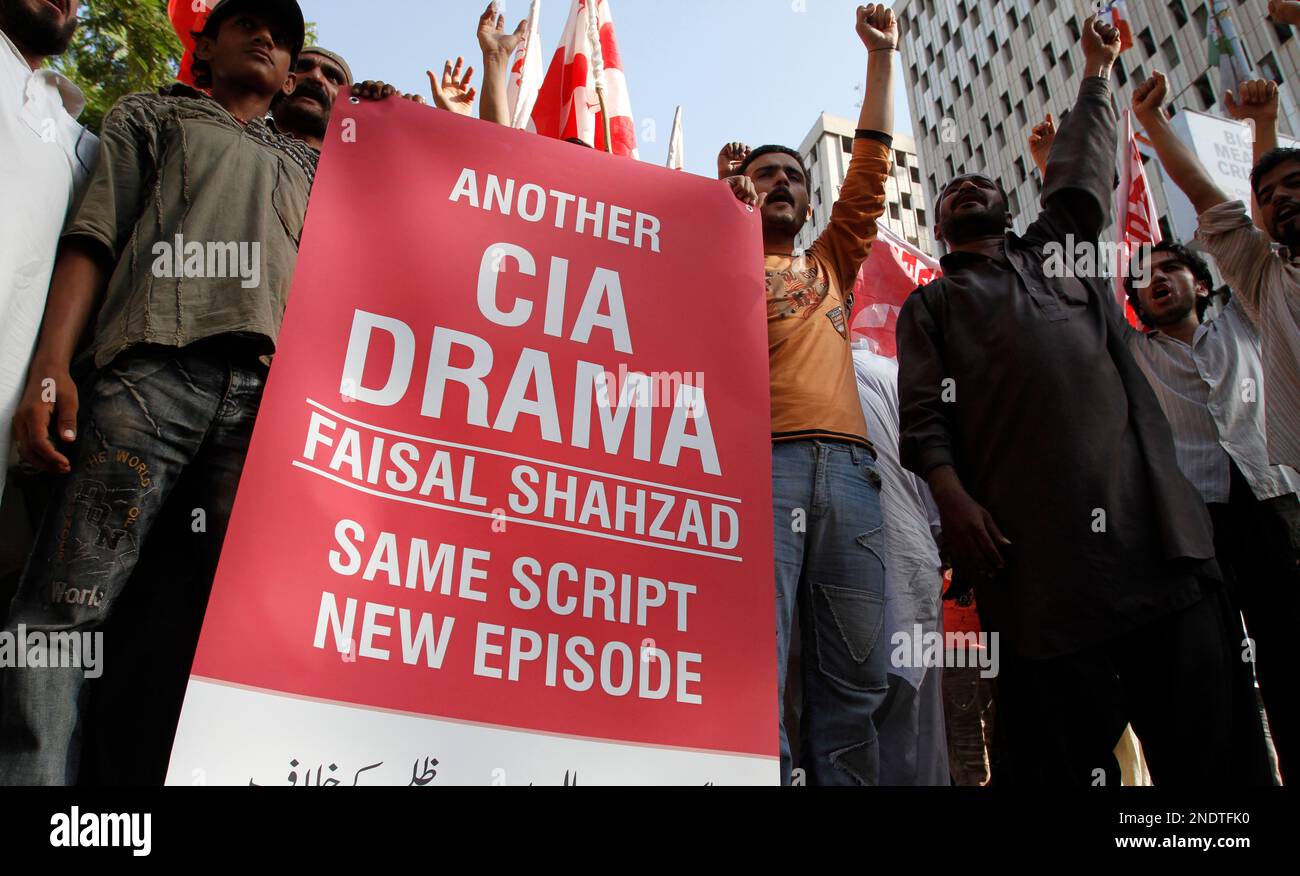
<point x="1112" y="501"/>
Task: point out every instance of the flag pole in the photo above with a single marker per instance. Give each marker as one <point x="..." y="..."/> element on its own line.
<point x="598" y="68"/>
<point x="604" y="117"/>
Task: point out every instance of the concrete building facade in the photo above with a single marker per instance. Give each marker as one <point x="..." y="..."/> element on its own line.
<point x="979" y="75"/>
<point x="826" y="152"/>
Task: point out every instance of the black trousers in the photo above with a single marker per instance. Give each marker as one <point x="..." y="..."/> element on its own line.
<point x="1258" y="547"/>
<point x="1179" y="681"/>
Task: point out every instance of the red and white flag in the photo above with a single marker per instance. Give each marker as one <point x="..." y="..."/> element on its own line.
<point x="891" y="272"/>
<point x="568" y="105"/>
<point x="1137" y="220"/>
<point x="188" y="18"/>
<point x="526" y="74"/>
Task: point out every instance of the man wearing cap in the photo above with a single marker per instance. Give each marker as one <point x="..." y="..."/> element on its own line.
<point x="303" y="109"/>
<point x="174" y="270"/>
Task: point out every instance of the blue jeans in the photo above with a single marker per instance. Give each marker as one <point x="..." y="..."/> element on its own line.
<point x="154" y="420"/>
<point x="829" y="564"/>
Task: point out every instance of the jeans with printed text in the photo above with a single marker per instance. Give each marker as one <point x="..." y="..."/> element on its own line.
<point x="154" y="420"/>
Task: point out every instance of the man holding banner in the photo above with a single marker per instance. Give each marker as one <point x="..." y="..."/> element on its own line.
<point x="826" y="488"/>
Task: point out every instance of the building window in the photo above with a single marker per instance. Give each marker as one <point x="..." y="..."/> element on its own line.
<point x="1020" y="113"/>
<point x="988" y="75"/>
<point x="1006" y="104"/>
<point x="920" y="217"/>
<point x="893" y="211"/>
<point x="846" y="143"/>
<point x="1042" y="88"/>
<point x="1170" y="52"/>
<point x="1206" y="91"/>
<point x="1020" y="169"/>
<point x="929" y="55"/>
<point x="1202" y="18"/>
<point x="988" y="129"/>
<point x="979" y="157"/>
<point x="916" y="174"/>
<point x="1068" y="64"/>
<point x="1049" y="56"/>
<point x="907" y="201"/>
<point x="1148" y="41"/>
<point x="1073" y="25"/>
<point x="925" y="80"/>
<point x="1268" y="68"/>
<point x="947" y="34"/>
<point x="1120" y="75"/>
<point x="1013" y="23"/>
<point x="1178" y="12"/>
<point x="993" y="46"/>
<point x="965" y="141"/>
<point x="1026" y="80"/>
<point x="975" y="14"/>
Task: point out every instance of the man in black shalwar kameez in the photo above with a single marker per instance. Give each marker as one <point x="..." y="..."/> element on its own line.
<point x="1062" y="503"/>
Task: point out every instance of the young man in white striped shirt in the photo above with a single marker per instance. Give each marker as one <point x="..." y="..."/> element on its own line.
<point x="1207" y="375"/>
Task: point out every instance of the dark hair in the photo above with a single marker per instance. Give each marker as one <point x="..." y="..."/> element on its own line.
<point x="769" y="150"/>
<point x="1187" y="258"/>
<point x="202" y="70"/>
<point x="1269" y="161"/>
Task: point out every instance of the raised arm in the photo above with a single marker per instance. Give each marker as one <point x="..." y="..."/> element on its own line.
<point x="1284" y="11"/>
<point x="1182" y="165"/>
<point x="453" y="92"/>
<point x="1041" y="139"/>
<point x="498" y="46"/>
<point x="852" y="228"/>
<point x="879" y="33"/>
<point x="1256" y="105"/>
<point x="1079" y="174"/>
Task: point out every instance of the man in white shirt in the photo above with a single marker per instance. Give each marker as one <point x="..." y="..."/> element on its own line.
<point x="45" y="158"/>
<point x="1208" y="375"/>
<point x="913" y="744"/>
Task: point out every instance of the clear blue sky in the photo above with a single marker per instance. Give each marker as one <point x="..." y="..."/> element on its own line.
<point x="754" y="70"/>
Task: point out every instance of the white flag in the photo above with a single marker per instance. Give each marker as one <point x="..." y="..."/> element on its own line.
<point x="676" y="148"/>
<point x="527" y="72"/>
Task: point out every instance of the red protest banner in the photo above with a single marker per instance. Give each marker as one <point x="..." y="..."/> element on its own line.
<point x="506" y="517"/>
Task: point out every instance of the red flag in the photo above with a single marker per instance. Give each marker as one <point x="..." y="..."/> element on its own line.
<point x="1119" y="18"/>
<point x="188" y="18"/>
<point x="892" y="271"/>
<point x="1137" y="220"/>
<point x="568" y="105"/>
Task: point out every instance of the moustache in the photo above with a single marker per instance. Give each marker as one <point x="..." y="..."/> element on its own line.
<point x="313" y="90"/>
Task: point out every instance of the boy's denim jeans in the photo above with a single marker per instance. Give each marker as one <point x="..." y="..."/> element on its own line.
<point x="154" y="419"/>
<point x="829" y="563"/>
